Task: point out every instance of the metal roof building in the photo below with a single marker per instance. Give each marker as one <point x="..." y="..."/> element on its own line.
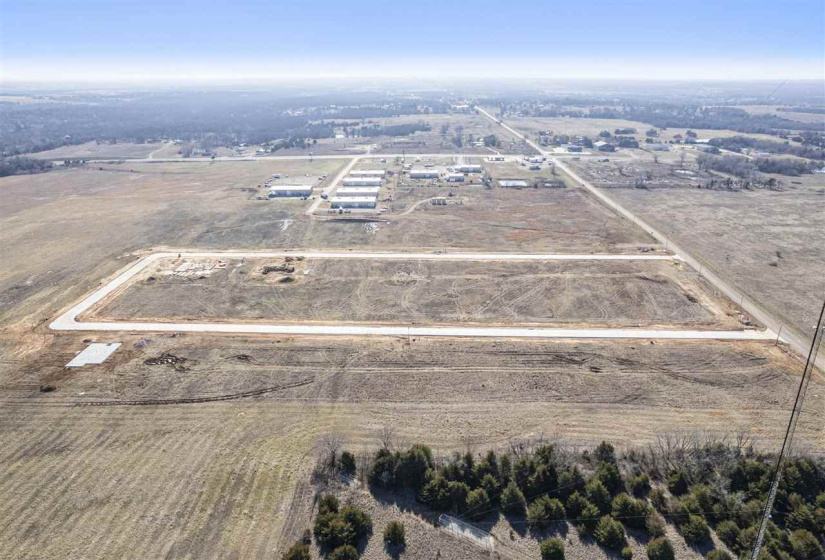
<point x="512" y="183"/>
<point x="286" y="191"/>
<point x="423" y="174"/>
<point x="350" y="192"/>
<point x="352" y="202"/>
<point x="455" y="178"/>
<point x="368" y="173"/>
<point x="361" y="182"/>
<point x="469" y="169"/>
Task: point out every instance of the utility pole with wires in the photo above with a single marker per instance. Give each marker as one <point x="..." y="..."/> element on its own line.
<point x="789" y="433"/>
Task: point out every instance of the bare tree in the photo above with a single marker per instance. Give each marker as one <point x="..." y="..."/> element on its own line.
<point x="386" y="436"/>
<point x="331" y="444"/>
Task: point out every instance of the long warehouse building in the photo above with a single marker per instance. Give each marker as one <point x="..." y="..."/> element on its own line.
<point x="352" y="202"/>
<point x="368" y="173"/>
<point x="361" y="182"/>
<point x="349" y="192"/>
<point x="287" y="191"/>
<point x="423" y="174"/>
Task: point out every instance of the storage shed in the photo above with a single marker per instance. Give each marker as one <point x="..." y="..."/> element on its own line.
<point x="356" y="192"/>
<point x="361" y="182"/>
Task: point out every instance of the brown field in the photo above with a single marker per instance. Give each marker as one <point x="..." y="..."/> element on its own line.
<point x="770" y="244"/>
<point x="217" y="479"/>
<point x="210" y="454"/>
<point x="95" y="150"/>
<point x="584" y="293"/>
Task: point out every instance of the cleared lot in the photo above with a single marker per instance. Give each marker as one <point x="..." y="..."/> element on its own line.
<point x="575" y="293"/>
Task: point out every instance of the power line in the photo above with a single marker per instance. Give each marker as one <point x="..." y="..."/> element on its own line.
<point x="807" y="373"/>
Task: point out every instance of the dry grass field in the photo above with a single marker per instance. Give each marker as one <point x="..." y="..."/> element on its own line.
<point x="95" y="150"/>
<point x="195" y="446"/>
<point x="581" y="294"/>
<point x="229" y="478"/>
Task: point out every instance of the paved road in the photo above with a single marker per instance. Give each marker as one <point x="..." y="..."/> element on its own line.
<point x="333" y="186"/>
<point x="68" y="321"/>
<point x="788" y="334"/>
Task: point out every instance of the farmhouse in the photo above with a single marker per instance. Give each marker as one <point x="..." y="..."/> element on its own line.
<point x="361" y="182"/>
<point x="357" y="192"/>
<point x="290" y="191"/>
<point x="423" y="174"/>
<point x="352" y="202"/>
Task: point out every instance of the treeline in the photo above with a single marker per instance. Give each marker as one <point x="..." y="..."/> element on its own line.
<point x="696" y="486"/>
<point x="390" y="130"/>
<point x="811" y="110"/>
<point x="740" y="143"/>
<point x="747" y="168"/>
<point x="229" y="118"/>
<point x="22" y="166"/>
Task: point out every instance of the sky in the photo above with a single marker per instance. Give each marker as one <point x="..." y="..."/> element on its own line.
<point x="247" y="40"/>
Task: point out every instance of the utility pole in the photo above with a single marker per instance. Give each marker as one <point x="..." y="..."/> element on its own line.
<point x="789" y="433"/>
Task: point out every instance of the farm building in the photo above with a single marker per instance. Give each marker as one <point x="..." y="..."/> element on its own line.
<point x="361" y="182"/>
<point x="352" y="202"/>
<point x="423" y="174"/>
<point x="288" y="191"/>
<point x="469" y="169"/>
<point x="455" y="178"/>
<point x="512" y="184"/>
<point x="368" y="173"/>
<point x="439" y="201"/>
<point x="356" y="192"/>
<point x="604" y="147"/>
<point x="573" y="148"/>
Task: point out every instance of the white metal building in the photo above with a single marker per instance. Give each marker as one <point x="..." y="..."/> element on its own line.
<point x="368" y="173"/>
<point x="455" y="178"/>
<point x="352" y="202"/>
<point x="469" y="169"/>
<point x="356" y="192"/>
<point x="423" y="174"/>
<point x="285" y="191"/>
<point x="361" y="182"/>
<point x="512" y="184"/>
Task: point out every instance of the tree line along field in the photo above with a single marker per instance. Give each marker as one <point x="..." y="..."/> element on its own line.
<point x="577" y="293"/>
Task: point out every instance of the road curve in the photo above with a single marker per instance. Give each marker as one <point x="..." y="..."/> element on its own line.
<point x="787" y="333"/>
<point x="68" y="321"/>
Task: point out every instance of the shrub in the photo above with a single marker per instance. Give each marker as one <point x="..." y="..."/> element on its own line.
<point x="394" y="534"/>
<point x="658" y="499"/>
<point x="347" y="463"/>
<point x="717" y="554"/>
<point x="597" y="493"/>
<point x="490" y="484"/>
<point x="512" y="500"/>
<point x="605" y="452"/>
<point x="543" y="511"/>
<point x="328" y="504"/>
<point x="677" y="483"/>
<point x="361" y="522"/>
<point x="630" y="511"/>
<point x="609" y="533"/>
<point x="660" y="549"/>
<point x="346" y="552"/>
<point x="746" y="539"/>
<point x="458" y="492"/>
<point x="695" y="530"/>
<point x="298" y="551"/>
<point x="608" y="473"/>
<point x="801" y="518"/>
<point x="589" y="519"/>
<point x="478" y="504"/>
<point x="654" y="525"/>
<point x="805" y="546"/>
<point x="627" y="553"/>
<point x="640" y="485"/>
<point x="575" y="505"/>
<point x="552" y="549"/>
<point x="728" y="532"/>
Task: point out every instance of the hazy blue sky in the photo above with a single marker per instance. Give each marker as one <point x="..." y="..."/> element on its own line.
<point x="181" y="39"/>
